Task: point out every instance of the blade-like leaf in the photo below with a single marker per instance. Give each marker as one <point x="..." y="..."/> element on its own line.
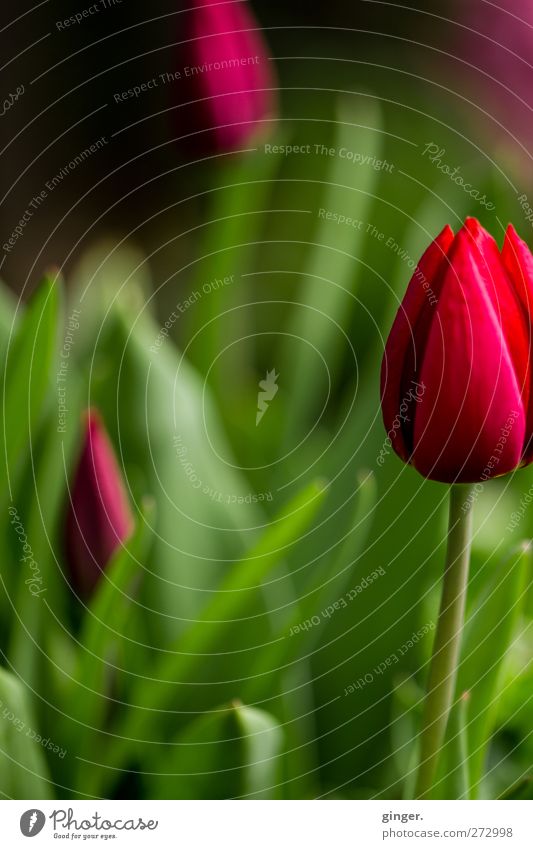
<point x="295" y="641"/>
<point x="103" y="637"/>
<point x="229" y="753"/>
<point x="332" y="270"/>
<point x="487" y="637"/>
<point x="235" y="221"/>
<point x="453" y="779"/>
<point x="160" y="688"/>
<point x="521" y="789"/>
<point x="406" y="704"/>
<point x="23" y="771"/>
<point x="27" y="372"/>
<point x="26" y="384"/>
<point x="203" y="519"/>
<point x="43" y="501"/>
<point x="9" y="316"/>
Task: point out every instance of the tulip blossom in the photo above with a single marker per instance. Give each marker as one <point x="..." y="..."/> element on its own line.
<point x="455" y="378"/>
<point x="225" y="83"/>
<point x="99" y="517"/>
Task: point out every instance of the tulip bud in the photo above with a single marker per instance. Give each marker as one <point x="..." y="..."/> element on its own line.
<point x="495" y="42"/>
<point x="226" y="87"/>
<point x="455" y="377"/>
<point x="99" y="517"/>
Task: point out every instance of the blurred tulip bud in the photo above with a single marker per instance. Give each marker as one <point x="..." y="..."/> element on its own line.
<point x="456" y="373"/>
<point x="99" y="517"/>
<point x="226" y="86"/>
<point x="497" y="40"/>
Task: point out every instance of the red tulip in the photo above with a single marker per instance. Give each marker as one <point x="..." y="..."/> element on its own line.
<point x="455" y="377"/>
<point x="99" y="517"/>
<point x="226" y="86"/>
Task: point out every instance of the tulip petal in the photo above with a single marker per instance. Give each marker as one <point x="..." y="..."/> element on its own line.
<point x="507" y="303"/>
<point x="99" y="519"/>
<point x="401" y="346"/>
<point x="227" y="82"/>
<point x="518" y="261"/>
<point x="470" y="422"/>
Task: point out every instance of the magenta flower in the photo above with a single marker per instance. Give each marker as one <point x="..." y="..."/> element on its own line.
<point x="497" y="39"/>
<point x="226" y="86"/>
<point x="99" y="517"/>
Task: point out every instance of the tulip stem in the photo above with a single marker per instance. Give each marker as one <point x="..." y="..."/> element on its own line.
<point x="444" y="660"/>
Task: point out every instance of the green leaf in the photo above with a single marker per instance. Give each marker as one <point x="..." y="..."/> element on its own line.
<point x="488" y="634"/>
<point x="235" y="220"/>
<point x="406" y="704"/>
<point x="229" y="753"/>
<point x="165" y="684"/>
<point x="453" y="779"/>
<point x="205" y="511"/>
<point x="292" y="642"/>
<point x="26" y="386"/>
<point x="332" y="271"/>
<point x="27" y="373"/>
<point x="284" y="665"/>
<point x="107" y="274"/>
<point x="262" y="741"/>
<point x="241" y="584"/>
<point x="23" y="771"/>
<point x="521" y="789"/>
<point x="39" y="603"/>
<point x="10" y="313"/>
<point x="103" y="638"/>
<point x="107" y="653"/>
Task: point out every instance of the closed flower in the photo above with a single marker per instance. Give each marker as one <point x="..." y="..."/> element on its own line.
<point x="99" y="517"/>
<point x="225" y="91"/>
<point x="456" y="373"/>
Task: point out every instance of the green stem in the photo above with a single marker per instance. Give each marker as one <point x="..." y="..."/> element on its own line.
<point x="443" y="668"/>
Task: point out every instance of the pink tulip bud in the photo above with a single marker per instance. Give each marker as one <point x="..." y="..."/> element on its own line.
<point x="495" y="41"/>
<point x="456" y="373"/>
<point x="99" y="517"/>
<point x="226" y="88"/>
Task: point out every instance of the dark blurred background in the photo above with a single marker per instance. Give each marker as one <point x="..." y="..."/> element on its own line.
<point x="425" y="58"/>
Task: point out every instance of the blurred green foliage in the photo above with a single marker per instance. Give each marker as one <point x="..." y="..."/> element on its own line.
<point x="217" y="654"/>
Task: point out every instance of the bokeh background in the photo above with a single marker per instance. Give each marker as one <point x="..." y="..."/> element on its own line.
<point x="420" y="94"/>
